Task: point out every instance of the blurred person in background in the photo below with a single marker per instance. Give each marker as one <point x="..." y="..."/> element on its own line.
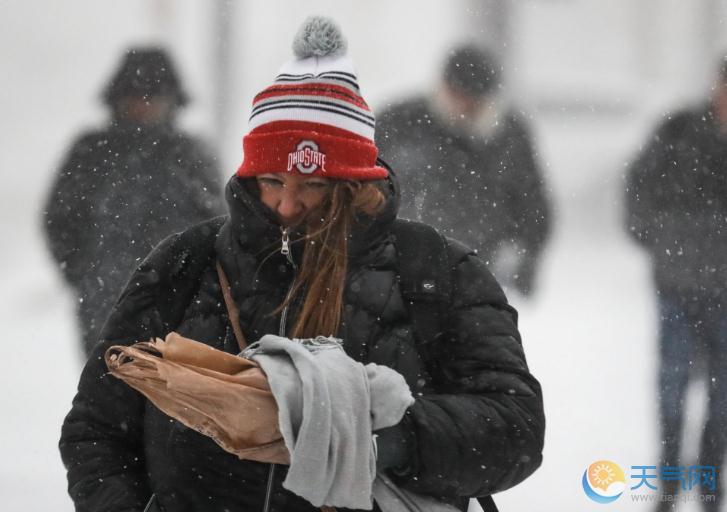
<point x="677" y="210"/>
<point x="467" y="166"/>
<point x="125" y="187"/>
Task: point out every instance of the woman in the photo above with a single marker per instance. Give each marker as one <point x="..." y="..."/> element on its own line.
<point x="308" y="250"/>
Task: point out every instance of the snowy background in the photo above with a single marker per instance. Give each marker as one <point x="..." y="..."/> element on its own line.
<point x="594" y="75"/>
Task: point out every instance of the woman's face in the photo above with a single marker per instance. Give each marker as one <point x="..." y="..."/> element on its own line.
<point x="292" y="196"/>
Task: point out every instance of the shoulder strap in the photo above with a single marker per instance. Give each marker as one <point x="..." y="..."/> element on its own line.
<point x="425" y="278"/>
<point x="487" y="504"/>
<point x="232" y="312"/>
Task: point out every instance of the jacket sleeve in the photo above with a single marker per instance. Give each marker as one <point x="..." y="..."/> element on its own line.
<point x="648" y="183"/>
<point x="68" y="207"/>
<point x="482" y="430"/>
<point x="528" y="202"/>
<point x="101" y="441"/>
<point x="206" y="184"/>
<point x="102" y="436"/>
<point x="398" y="137"/>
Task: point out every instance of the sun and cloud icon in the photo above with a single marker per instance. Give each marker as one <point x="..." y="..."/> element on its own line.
<point x="604" y="481"/>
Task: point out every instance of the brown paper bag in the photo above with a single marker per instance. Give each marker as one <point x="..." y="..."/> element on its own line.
<point x="215" y="393"/>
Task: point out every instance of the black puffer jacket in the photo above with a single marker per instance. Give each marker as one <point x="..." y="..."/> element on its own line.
<point x="119" y="192"/>
<point x="476" y="427"/>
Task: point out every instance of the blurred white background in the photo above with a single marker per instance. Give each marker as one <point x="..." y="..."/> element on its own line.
<point x="594" y="76"/>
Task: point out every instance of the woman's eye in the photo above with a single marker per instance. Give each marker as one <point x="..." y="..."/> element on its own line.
<point x="270" y="182"/>
<point x="317" y="184"/>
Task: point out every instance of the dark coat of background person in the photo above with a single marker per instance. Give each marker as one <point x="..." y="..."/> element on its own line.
<point x="676" y="208"/>
<point x="476" y="428"/>
<point x="123" y="188"/>
<point x="677" y="203"/>
<point x="486" y="190"/>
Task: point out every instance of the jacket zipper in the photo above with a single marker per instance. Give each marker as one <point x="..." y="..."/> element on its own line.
<point x="285" y="251"/>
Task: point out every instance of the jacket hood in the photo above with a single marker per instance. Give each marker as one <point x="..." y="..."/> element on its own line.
<point x="145" y="72"/>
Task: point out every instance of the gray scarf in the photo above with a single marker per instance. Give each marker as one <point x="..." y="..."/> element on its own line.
<point x="329" y="405"/>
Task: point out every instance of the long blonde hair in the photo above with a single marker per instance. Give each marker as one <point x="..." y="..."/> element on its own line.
<point x="322" y="273"/>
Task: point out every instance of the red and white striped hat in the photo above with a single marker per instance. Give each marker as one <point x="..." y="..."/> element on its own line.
<point x="313" y="119"/>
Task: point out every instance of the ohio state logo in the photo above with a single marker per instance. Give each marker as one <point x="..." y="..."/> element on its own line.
<point x="306" y="158"/>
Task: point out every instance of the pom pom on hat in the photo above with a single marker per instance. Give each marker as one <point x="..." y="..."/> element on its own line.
<point x="313" y="119"/>
<point x="319" y="37"/>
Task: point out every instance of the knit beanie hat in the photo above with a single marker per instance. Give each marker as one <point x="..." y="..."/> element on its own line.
<point x="313" y="120"/>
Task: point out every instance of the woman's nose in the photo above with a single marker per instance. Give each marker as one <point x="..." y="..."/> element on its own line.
<point x="290" y="205"/>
